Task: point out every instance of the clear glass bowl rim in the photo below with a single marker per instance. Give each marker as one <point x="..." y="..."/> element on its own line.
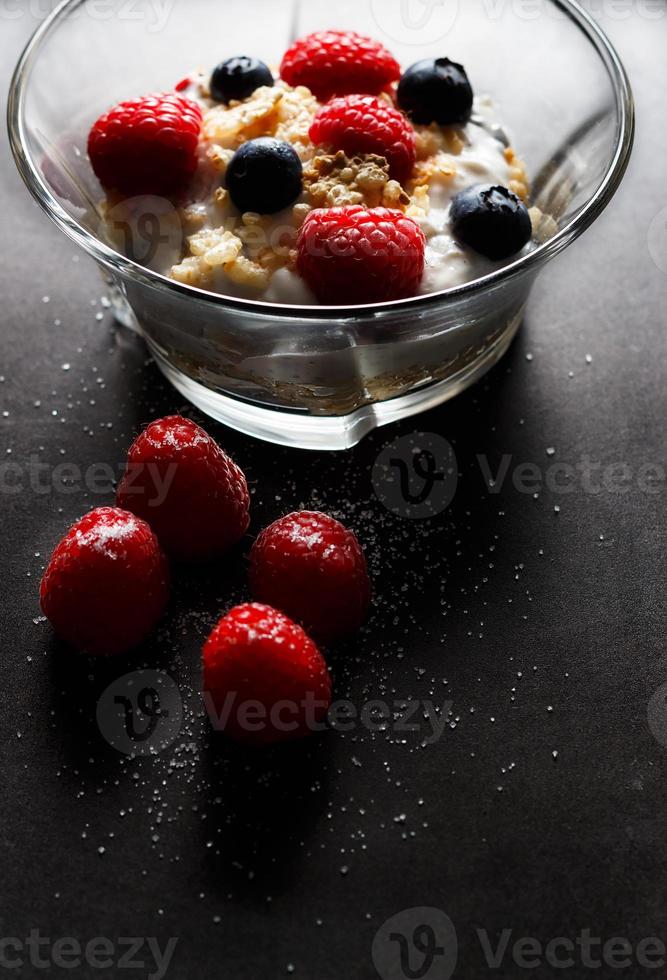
<point x="118" y="263"/>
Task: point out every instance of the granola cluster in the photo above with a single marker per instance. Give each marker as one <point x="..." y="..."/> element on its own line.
<point x="280" y="111"/>
<point x="334" y="180"/>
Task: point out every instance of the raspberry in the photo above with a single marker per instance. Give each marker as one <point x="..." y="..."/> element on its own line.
<point x="264" y="679"/>
<point x="364" y="124"/>
<point x="180" y="481"/>
<point x="147" y="145"/>
<point x="356" y="255"/>
<point x="107" y="583"/>
<point x="339" y="63"/>
<point x="311" y="567"/>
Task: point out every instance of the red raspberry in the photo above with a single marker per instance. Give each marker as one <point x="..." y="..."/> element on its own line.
<point x="107" y="583"/>
<point x="339" y="63"/>
<point x="190" y="492"/>
<point x="311" y="567"/>
<point x="264" y="679"/>
<point x="364" y="124"/>
<point x="148" y="145"/>
<point x="356" y="255"/>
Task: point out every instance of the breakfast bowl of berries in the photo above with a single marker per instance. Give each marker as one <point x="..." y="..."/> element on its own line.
<point x="321" y="219"/>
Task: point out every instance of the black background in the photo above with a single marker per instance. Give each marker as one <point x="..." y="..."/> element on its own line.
<point x="518" y="608"/>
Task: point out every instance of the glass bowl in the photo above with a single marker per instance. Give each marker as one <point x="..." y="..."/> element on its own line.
<point x="323" y="377"/>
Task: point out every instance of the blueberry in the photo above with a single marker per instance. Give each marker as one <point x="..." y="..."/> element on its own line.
<point x="491" y="220"/>
<point x="237" y="78"/>
<point x="436" y="90"/>
<point x="264" y="175"/>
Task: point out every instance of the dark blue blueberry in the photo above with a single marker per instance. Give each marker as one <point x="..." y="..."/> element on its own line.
<point x="436" y="90"/>
<point x="491" y="220"/>
<point x="237" y="78"/>
<point x="264" y="175"/>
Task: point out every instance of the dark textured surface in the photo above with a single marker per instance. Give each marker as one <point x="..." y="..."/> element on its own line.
<point x="551" y="626"/>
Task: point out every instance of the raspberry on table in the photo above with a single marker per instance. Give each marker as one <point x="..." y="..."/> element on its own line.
<point x="107" y="583"/>
<point x="358" y="255"/>
<point x="339" y="63"/>
<point x="147" y="145"/>
<point x="264" y="679"/>
<point x="365" y="124"/>
<point x="312" y="568"/>
<point x="184" y="485"/>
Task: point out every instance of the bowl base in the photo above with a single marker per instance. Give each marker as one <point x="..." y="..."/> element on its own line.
<point x="300" y="430"/>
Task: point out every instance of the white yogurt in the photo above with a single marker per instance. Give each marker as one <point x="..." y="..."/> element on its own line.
<point x="447" y="263"/>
